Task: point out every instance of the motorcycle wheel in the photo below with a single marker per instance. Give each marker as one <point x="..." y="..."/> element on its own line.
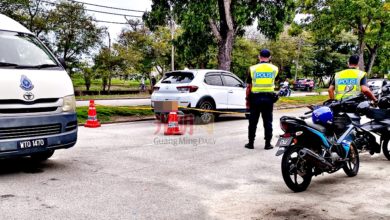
<point x="385" y="148"/>
<point x="351" y="167"/>
<point x="291" y="164"/>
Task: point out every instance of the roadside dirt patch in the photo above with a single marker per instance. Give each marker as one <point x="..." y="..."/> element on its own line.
<point x="294" y="213"/>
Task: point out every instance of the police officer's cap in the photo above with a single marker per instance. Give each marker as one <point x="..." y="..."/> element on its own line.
<point x="265" y="53"/>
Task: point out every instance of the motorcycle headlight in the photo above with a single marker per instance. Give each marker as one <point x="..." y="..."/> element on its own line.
<point x="69" y="104"/>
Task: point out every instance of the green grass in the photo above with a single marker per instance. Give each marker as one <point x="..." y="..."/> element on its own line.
<point x="89" y="97"/>
<point x="116" y="83"/>
<point x="108" y="113"/>
<point x="309" y="100"/>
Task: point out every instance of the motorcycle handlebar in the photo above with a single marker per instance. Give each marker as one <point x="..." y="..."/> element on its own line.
<point x="309" y="112"/>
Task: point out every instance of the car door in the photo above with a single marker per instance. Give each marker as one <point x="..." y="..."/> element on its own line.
<point x="236" y="91"/>
<point x="216" y="90"/>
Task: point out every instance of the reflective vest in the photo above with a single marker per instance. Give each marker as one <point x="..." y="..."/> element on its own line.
<point x="263" y="77"/>
<point x="348" y="77"/>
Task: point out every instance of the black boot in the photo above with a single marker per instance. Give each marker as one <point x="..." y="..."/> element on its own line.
<point x="249" y="145"/>
<point x="268" y="145"/>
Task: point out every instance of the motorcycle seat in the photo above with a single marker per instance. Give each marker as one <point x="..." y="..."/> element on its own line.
<point x="310" y="123"/>
<point x="378" y="114"/>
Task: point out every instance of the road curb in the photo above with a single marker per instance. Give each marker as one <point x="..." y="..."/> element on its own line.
<point x="153" y="118"/>
<point x="86" y="100"/>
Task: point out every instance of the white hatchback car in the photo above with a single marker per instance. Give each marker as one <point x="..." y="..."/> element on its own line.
<point x="204" y="89"/>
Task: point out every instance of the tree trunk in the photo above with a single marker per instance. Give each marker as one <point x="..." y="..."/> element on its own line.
<point x="373" y="54"/>
<point x="109" y="82"/>
<point x="224" y="33"/>
<point x="225" y="49"/>
<point x="374" y="50"/>
<point x="362" y="46"/>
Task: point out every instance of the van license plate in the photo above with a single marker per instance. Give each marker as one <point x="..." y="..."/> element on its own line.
<point x="32" y="143"/>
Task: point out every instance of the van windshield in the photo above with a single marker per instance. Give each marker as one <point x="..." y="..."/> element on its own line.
<point x="18" y="50"/>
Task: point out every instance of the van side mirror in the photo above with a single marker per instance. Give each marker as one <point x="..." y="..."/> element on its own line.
<point x="63" y="63"/>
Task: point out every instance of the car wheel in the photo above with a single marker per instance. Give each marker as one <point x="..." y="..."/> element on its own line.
<point x="204" y="116"/>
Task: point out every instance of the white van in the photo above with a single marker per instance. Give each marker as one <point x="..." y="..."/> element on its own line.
<point x="37" y="102"/>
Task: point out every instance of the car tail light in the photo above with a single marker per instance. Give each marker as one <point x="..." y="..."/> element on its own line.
<point x="156" y="88"/>
<point x="187" y="88"/>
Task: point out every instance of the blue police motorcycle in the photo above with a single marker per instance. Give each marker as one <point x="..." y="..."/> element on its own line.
<point x="314" y="144"/>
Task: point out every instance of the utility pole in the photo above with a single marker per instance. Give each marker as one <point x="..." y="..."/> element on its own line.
<point x="109" y="41"/>
<point x="297" y="61"/>
<point x="172" y="26"/>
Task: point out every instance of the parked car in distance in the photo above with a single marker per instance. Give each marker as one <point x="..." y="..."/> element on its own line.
<point x="204" y="89"/>
<point x="303" y="84"/>
<point x="375" y="85"/>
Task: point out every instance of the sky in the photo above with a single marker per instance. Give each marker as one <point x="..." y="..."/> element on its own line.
<point x="115" y="29"/>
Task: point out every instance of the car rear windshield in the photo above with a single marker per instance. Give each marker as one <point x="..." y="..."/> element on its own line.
<point x="178" y="78"/>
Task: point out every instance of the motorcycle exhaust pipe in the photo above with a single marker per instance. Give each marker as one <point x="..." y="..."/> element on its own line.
<point x="313" y="159"/>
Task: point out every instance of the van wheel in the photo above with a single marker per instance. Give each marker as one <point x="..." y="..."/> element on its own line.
<point x="203" y="116"/>
<point x="42" y="156"/>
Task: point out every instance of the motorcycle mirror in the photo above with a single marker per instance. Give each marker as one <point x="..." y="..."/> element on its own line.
<point x="348" y="88"/>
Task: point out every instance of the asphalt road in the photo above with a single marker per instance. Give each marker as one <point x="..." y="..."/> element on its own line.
<point x="138" y="102"/>
<point x="133" y="171"/>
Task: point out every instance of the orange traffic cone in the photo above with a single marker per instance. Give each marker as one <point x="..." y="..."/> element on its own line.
<point x="173" y="125"/>
<point x="92" y="121"/>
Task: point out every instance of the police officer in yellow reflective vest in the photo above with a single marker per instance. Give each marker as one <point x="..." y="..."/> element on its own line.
<point x="260" y="97"/>
<point x="352" y="76"/>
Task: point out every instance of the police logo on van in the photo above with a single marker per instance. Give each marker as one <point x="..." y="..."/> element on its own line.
<point x="26" y="84"/>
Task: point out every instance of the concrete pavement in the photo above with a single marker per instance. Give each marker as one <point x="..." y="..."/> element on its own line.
<point x="133" y="171"/>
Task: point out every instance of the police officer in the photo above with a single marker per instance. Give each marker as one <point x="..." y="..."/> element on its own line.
<point x="352" y="76"/>
<point x="260" y="97"/>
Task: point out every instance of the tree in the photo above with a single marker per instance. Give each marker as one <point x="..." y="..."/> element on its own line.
<point x="87" y="73"/>
<point x="161" y="44"/>
<point x="135" y="46"/>
<point x="108" y="63"/>
<point x="245" y="54"/>
<point x="369" y="20"/>
<point x="331" y="55"/>
<point x="196" y="49"/>
<point x="31" y="13"/>
<point x="144" y="50"/>
<point x="75" y="32"/>
<point x="225" y="19"/>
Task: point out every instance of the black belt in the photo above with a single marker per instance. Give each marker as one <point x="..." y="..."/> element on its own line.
<point x="263" y="93"/>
